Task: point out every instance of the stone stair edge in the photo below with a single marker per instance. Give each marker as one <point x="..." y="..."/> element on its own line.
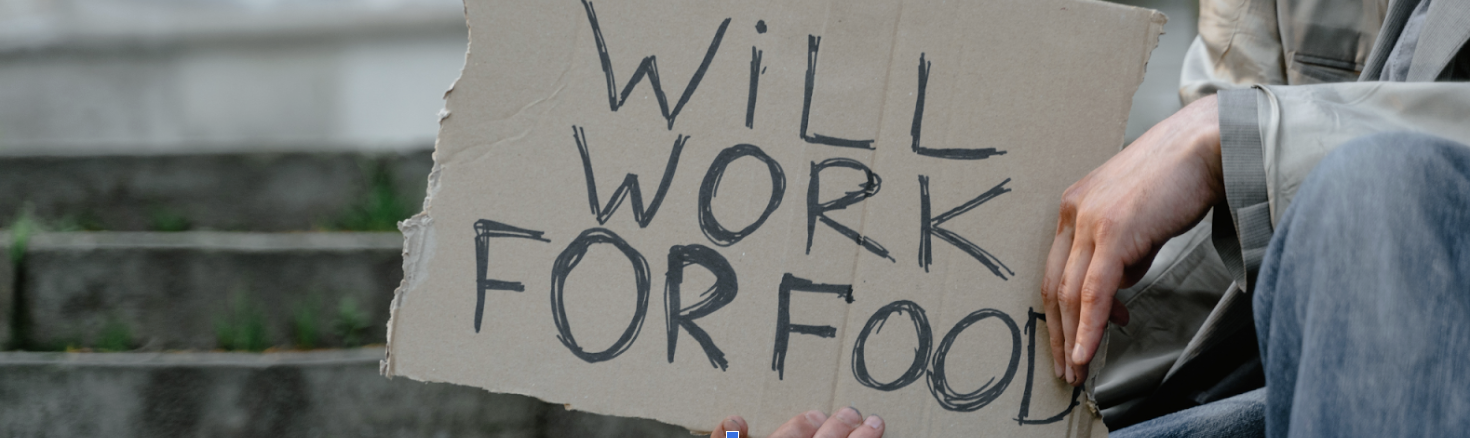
<point x="216" y="240"/>
<point x="325" y="357"/>
<point x="41" y="151"/>
<point x="245" y="191"/>
<point x="93" y="24"/>
<point x="314" y="393"/>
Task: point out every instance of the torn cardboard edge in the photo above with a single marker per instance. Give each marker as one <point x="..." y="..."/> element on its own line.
<point x="421" y="240"/>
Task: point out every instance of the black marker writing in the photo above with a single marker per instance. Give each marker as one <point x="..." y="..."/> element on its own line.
<point x="485" y="230"/>
<point x="938" y="384"/>
<point x="711" y="227"/>
<point x="1030" y="371"/>
<point x="784" y="327"/>
<point x="717" y="296"/>
<point x="755" y="79"/>
<point x="630" y="184"/>
<point x="875" y="324"/>
<point x="929" y="227"/>
<point x="817" y="210"/>
<point x="813" y="43"/>
<point x="954" y="154"/>
<point x="563" y="266"/>
<point x="649" y="68"/>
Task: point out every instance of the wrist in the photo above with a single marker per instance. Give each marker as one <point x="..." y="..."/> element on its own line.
<point x="1205" y="142"/>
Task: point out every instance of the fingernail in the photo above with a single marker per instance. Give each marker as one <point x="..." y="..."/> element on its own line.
<point x="734" y="423"/>
<point x="1069" y="375"/>
<point x="816" y="418"/>
<point x="849" y="416"/>
<point x="1056" y="367"/>
<point x="874" y="422"/>
<point x="1077" y="354"/>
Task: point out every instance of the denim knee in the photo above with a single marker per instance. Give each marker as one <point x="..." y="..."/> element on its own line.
<point x="1378" y="188"/>
<point x="1388" y="165"/>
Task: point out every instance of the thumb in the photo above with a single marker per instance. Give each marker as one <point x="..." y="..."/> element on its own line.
<point x="732" y="423"/>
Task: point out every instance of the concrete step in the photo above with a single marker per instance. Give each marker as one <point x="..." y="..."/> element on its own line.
<point x="313" y="394"/>
<point x="233" y="192"/>
<point x="205" y="290"/>
<point x="7" y="291"/>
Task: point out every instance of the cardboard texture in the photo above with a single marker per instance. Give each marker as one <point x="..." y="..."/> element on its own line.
<point x="683" y="210"/>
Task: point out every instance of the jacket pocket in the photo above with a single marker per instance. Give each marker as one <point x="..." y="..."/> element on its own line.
<point x="1316" y="69"/>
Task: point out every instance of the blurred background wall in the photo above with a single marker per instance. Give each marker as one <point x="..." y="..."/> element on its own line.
<point x="188" y="76"/>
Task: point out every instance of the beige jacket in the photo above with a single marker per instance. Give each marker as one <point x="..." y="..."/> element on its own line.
<point x="1296" y="79"/>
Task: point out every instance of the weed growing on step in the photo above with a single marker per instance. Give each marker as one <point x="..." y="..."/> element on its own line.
<point x="115" y="336"/>
<point x="304" y="328"/>
<point x="21" y="229"/>
<point x="243" y="328"/>
<point x="27" y="223"/>
<point x="70" y="342"/>
<point x="167" y="219"/>
<point x="351" y="323"/>
<point x="380" y="208"/>
<point x="86" y="221"/>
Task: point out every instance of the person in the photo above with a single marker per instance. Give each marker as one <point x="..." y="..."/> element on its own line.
<point x="1271" y="96"/>
<point x="1301" y="224"/>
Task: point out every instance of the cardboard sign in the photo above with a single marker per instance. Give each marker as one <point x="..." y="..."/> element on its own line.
<point x="683" y="210"/>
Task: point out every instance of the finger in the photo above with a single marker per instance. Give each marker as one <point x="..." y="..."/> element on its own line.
<point x="871" y="428"/>
<point x="1096" y="301"/>
<point x="801" y="426"/>
<point x="1056" y="263"/>
<point x="841" y="424"/>
<point x="1119" y="314"/>
<point x="1055" y="335"/>
<point x="1070" y="306"/>
<point x="732" y="423"/>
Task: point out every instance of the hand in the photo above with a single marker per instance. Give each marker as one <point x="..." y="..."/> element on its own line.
<point x="846" y="423"/>
<point x="1113" y="221"/>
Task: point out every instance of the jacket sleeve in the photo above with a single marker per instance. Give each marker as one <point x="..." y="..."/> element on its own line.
<point x="1272" y="136"/>
<point x="1239" y="45"/>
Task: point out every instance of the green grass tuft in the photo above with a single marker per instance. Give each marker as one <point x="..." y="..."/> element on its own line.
<point x="304" y="328"/>
<point x="169" y="220"/>
<point x="380" y="208"/>
<point x="115" y="336"/>
<point x="243" y="328"/>
<point x="21" y="229"/>
<point x="351" y="323"/>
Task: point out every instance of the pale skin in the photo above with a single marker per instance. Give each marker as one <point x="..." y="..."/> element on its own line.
<point x="1111" y="224"/>
<point x="845" y="423"/>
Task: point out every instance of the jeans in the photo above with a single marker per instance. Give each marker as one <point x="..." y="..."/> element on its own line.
<point x="1362" y="303"/>
<point x="1240" y="416"/>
